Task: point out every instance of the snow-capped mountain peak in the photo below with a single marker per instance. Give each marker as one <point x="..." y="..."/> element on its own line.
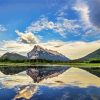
<point x="40" y="53"/>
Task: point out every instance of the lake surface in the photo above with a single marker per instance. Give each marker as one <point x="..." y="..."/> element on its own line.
<point x="56" y="93"/>
<point x="19" y="86"/>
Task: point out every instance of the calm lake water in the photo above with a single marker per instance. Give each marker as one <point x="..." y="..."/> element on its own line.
<point x="46" y="92"/>
<point x="56" y="93"/>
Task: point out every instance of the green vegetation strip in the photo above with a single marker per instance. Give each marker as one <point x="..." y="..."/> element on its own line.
<point x="11" y="64"/>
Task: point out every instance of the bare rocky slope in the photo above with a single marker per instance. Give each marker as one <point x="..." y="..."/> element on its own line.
<point x="40" y="53"/>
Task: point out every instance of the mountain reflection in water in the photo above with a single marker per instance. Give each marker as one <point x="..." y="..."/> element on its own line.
<point x="73" y="84"/>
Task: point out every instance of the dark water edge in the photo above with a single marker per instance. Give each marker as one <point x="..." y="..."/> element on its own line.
<point x="56" y="93"/>
<point x="93" y="70"/>
<point x="14" y="70"/>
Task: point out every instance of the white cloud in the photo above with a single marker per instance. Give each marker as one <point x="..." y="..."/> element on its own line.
<point x="38" y="25"/>
<point x="61" y="12"/>
<point x="2" y="49"/>
<point x="15" y="46"/>
<point x="27" y="37"/>
<point x="83" y="10"/>
<point x="87" y="26"/>
<point x="2" y="52"/>
<point x="61" y="26"/>
<point x="2" y="28"/>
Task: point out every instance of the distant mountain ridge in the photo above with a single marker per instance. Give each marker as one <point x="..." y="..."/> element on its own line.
<point x="40" y="53"/>
<point x="92" y="55"/>
<point x="13" y="56"/>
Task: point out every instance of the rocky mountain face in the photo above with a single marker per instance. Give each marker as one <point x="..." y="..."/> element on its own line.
<point x="13" y="56"/>
<point x="41" y="53"/>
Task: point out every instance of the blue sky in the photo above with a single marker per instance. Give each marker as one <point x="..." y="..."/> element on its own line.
<point x="19" y="14"/>
<point x="30" y="22"/>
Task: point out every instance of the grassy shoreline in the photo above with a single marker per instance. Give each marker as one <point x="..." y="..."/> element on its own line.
<point x="93" y="68"/>
<point x="10" y="64"/>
